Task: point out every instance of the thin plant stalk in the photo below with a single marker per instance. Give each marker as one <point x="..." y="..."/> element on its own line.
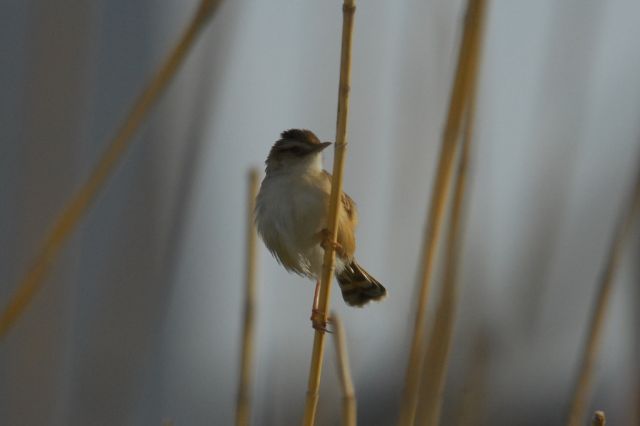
<point x="634" y="395"/>
<point x="77" y="207"/>
<point x="317" y="354"/>
<point x="441" y="188"/>
<point x="349" y="409"/>
<point x="243" y="407"/>
<point x="583" y="383"/>
<point x="470" y="408"/>
<point x="599" y="419"/>
<point x="439" y="346"/>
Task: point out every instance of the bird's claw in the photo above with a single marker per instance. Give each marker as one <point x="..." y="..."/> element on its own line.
<point x="318" y="321"/>
<point x="327" y="242"/>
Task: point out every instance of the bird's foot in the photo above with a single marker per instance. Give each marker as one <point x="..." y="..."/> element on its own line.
<point x="326" y="241"/>
<point x="318" y="321"/>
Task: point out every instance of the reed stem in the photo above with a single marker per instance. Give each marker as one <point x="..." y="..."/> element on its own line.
<point x="76" y="208"/>
<point x="438" y="349"/>
<point x="441" y="188"/>
<point x="243" y="407"/>
<point x="470" y="407"/>
<point x="349" y="409"/>
<point x="598" y="315"/>
<point x="317" y="354"/>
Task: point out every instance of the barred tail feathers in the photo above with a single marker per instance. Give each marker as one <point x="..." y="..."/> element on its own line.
<point x="358" y="287"/>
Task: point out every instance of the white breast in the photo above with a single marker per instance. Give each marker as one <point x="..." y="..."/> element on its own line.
<point x="290" y="212"/>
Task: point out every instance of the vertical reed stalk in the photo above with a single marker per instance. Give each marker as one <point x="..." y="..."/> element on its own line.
<point x="438" y="350"/>
<point x="317" y="354"/>
<point x="439" y="346"/>
<point x="598" y="315"/>
<point x="243" y="407"/>
<point x="349" y="409"/>
<point x="634" y="395"/>
<point x="599" y="419"/>
<point x="470" y="408"/>
<point x="75" y="209"/>
<point x="441" y="188"/>
<point x="635" y="398"/>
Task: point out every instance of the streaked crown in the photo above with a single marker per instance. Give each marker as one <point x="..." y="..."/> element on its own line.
<point x="293" y="146"/>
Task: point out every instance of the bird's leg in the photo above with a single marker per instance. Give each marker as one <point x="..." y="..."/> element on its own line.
<point x="326" y="241"/>
<point x="318" y="320"/>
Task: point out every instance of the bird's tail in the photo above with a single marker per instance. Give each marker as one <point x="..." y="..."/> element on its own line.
<point x="358" y="287"/>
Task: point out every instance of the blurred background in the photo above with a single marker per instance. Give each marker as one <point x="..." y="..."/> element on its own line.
<point x="140" y="319"/>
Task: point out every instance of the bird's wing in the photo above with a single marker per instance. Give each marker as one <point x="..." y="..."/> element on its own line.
<point x="347" y="222"/>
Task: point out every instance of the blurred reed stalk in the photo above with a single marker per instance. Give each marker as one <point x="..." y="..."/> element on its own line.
<point x="634" y="395"/>
<point x="462" y="86"/>
<point x="438" y="349"/>
<point x="349" y="409"/>
<point x="243" y="407"/>
<point x="76" y="208"/>
<point x="317" y="355"/>
<point x="599" y="419"/>
<point x="470" y="408"/>
<point x="582" y="387"/>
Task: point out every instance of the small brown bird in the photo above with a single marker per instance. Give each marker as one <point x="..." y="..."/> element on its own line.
<point x="291" y="217"/>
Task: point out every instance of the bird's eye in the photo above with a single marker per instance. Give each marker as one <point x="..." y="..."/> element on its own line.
<point x="295" y="150"/>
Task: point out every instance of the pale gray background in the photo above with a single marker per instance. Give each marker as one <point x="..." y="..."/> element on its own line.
<point x="140" y="319"/>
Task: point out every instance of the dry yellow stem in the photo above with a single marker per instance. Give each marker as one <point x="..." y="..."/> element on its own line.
<point x="436" y="359"/>
<point x="592" y="344"/>
<point x="78" y="205"/>
<point x="243" y="407"/>
<point x="462" y="86"/>
<point x="317" y="354"/>
<point x="470" y="408"/>
<point x="349" y="410"/>
<point x="439" y="346"/>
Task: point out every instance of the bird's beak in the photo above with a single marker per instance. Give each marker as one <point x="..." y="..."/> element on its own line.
<point x="322" y="146"/>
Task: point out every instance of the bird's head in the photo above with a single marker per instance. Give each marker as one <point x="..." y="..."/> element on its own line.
<point x="298" y="149"/>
